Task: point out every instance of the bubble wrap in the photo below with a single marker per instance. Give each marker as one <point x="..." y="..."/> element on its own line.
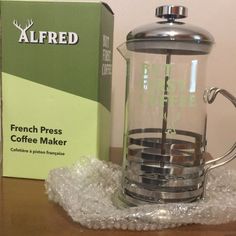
<point x="86" y="190"/>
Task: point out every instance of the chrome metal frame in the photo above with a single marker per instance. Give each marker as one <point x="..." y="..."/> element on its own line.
<point x="178" y="175"/>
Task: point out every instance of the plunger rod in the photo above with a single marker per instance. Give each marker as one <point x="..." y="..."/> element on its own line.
<point x="165" y="107"/>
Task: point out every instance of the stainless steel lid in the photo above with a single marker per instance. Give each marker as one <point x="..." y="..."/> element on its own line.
<point x="170" y="35"/>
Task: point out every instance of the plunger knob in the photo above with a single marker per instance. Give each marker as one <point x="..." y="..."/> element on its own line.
<point x="171" y="12"/>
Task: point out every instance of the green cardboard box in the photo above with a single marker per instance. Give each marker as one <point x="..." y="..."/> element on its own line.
<point x="56" y="84"/>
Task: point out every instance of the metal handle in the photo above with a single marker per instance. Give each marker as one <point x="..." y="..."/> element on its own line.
<point x="210" y="96"/>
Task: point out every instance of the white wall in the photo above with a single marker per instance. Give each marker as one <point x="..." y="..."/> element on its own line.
<point x="219" y="18"/>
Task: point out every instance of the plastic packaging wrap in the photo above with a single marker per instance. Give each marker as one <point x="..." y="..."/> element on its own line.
<point x="86" y="190"/>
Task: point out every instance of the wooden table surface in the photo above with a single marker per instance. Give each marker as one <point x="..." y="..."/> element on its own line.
<point x="26" y="211"/>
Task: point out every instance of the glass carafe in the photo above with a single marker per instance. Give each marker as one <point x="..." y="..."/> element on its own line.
<point x="165" y="122"/>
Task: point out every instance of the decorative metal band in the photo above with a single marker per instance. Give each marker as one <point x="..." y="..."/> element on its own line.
<point x="152" y="153"/>
<point x="156" y="195"/>
<point x="157" y="182"/>
<point x="165" y="169"/>
<point x="156" y="142"/>
<point x="132" y="199"/>
<point x="146" y="157"/>
<point x="158" y="130"/>
<point x="160" y="189"/>
<point x="153" y="187"/>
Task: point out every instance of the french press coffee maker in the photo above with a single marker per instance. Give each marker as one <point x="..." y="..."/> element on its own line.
<point x="165" y="121"/>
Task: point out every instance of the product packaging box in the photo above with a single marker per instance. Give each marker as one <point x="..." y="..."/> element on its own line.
<point x="56" y="84"/>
